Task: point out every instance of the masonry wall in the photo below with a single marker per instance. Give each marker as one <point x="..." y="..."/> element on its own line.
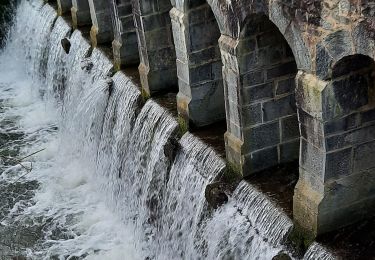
<point x="331" y="43"/>
<point x="156" y="49"/>
<point x="126" y="36"/>
<point x="199" y="68"/>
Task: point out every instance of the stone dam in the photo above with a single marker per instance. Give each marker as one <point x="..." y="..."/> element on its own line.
<point x="187" y="129"/>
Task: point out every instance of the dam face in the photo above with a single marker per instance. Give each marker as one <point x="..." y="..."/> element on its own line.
<point x="103" y="170"/>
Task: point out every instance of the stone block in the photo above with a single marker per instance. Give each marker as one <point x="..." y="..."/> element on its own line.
<point x="197" y="15"/>
<point x="159" y="39"/>
<point x="285" y="86"/>
<point x="234" y="129"/>
<point x="155" y="21"/>
<point x="350" y="138"/>
<point x="351" y="93"/>
<point x="248" y="62"/>
<point x="289" y="151"/>
<point x="284" y="69"/>
<point x="233" y="146"/>
<point x="233" y="112"/>
<point x="368" y="116"/>
<point x="204" y="55"/>
<point x="261" y="160"/>
<point x="289" y="128"/>
<point x="277" y="108"/>
<point x="341" y="124"/>
<point x="258" y="92"/>
<point x="252" y="78"/>
<point x="364" y="156"/>
<point x="252" y="115"/>
<point x="338" y="164"/>
<point x="203" y="35"/>
<point x="162" y="59"/>
<point x="312" y="159"/>
<point x="259" y="137"/>
<point x="207" y="103"/>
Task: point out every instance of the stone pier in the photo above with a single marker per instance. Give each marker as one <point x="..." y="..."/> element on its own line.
<point x="101" y="31"/>
<point x="337" y="164"/>
<point x="157" y="67"/>
<point x="259" y="72"/>
<point x="81" y="13"/>
<point x="200" y="99"/>
<point x="125" y="44"/>
<point x="295" y="80"/>
<point x="63" y="6"/>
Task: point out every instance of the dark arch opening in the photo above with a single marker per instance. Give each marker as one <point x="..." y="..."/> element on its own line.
<point x="270" y="128"/>
<point x="353" y="82"/>
<point x="268" y="71"/>
<point x="125" y="44"/>
<point x="201" y="94"/>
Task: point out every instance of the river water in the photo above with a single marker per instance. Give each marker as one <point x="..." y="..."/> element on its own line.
<point x="89" y="171"/>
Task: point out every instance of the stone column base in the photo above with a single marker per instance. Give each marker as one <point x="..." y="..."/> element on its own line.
<point x="233" y="148"/>
<point x="94" y="36"/>
<point x="116" y="47"/>
<point x="156" y="81"/>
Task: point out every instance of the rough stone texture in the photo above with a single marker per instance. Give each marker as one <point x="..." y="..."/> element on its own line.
<point x="101" y="30"/>
<point x="157" y="67"/>
<point x="201" y="96"/>
<point x="336" y="185"/>
<point x="124" y="45"/>
<point x="80" y="13"/>
<point x="262" y="45"/>
<point x="64" y="6"/>
<point x="259" y="71"/>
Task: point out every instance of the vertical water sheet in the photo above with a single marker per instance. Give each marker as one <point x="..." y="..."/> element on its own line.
<point x="184" y="204"/>
<point x="114" y="181"/>
<point x="317" y="251"/>
<point x="56" y="72"/>
<point x="248" y="226"/>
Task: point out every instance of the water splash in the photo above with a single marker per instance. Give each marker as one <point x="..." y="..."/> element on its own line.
<point x="114" y="181"/>
<point x="317" y="251"/>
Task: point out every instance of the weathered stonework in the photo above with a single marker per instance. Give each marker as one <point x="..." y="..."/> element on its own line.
<point x="63" y="6"/>
<point x="259" y="71"/>
<point x="157" y="67"/>
<point x="124" y="45"/>
<point x="324" y="115"/>
<point x="80" y="13"/>
<point x="199" y="69"/>
<point x="101" y="30"/>
<point x="337" y="122"/>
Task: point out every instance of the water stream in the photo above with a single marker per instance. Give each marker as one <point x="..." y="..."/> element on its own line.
<point x="112" y="178"/>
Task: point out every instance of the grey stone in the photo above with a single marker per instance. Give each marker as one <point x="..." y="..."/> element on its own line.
<point x="261" y="159"/>
<point x="262" y="136"/>
<point x="279" y="108"/>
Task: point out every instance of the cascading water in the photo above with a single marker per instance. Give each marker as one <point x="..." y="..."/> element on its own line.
<point x="110" y="179"/>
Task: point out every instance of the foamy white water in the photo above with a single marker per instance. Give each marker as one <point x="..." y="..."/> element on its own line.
<point x="112" y="180"/>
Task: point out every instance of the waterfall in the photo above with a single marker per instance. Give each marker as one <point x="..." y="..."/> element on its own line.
<point x="317" y="251"/>
<point x="114" y="178"/>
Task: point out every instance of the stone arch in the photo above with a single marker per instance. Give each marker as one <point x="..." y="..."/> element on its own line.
<point x="196" y="33"/>
<point x="340" y="44"/>
<point x="267" y="126"/>
<point x="352" y="81"/>
<point x="157" y="55"/>
<point x="232" y="17"/>
<point x="337" y="120"/>
<point x="124" y="45"/>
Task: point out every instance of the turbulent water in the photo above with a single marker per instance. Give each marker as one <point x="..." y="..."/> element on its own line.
<point x="88" y="171"/>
